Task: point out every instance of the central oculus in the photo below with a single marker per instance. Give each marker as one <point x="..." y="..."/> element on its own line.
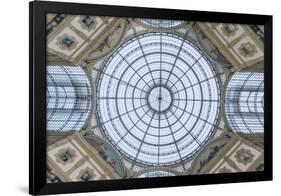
<point x="159" y="99"/>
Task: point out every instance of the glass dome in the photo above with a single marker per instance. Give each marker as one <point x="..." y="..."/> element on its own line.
<point x="161" y="23"/>
<point x="158" y="99"/>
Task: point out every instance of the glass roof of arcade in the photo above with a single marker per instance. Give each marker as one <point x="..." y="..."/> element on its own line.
<point x="161" y="23"/>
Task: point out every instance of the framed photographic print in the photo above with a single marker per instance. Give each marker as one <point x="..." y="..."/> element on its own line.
<point x="128" y="97"/>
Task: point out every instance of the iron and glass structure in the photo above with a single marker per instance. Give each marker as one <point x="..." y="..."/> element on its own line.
<point x="153" y="174"/>
<point x="158" y="99"/>
<point x="244" y="102"/>
<point x="161" y="23"/>
<point x="69" y="98"/>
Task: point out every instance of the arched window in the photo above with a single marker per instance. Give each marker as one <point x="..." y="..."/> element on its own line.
<point x="68" y="98"/>
<point x="244" y="102"/>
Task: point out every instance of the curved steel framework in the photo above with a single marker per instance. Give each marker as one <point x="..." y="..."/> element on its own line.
<point x="153" y="174"/>
<point x="244" y="102"/>
<point x="161" y="23"/>
<point x="68" y="98"/>
<point x="158" y="99"/>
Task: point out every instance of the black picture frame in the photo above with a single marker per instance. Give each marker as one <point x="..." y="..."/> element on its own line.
<point x="37" y="97"/>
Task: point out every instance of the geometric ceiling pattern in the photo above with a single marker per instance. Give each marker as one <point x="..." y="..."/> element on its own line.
<point x="161" y="96"/>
